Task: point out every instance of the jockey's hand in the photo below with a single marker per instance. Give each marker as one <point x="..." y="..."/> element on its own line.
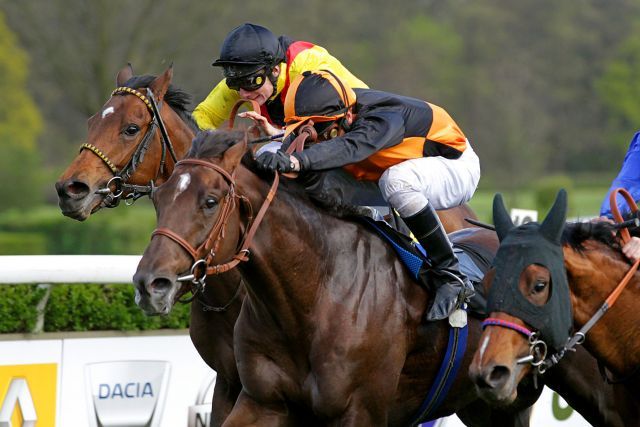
<point x="261" y="121"/>
<point x="632" y="249"/>
<point x="278" y="161"/>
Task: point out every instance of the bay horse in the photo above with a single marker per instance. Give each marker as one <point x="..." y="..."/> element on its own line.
<point x="330" y="331"/>
<point x="116" y="132"/>
<point x="590" y="255"/>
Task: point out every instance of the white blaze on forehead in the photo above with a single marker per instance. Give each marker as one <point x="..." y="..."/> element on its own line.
<point x="484" y="345"/>
<point x="107" y="111"/>
<point x="185" y="179"/>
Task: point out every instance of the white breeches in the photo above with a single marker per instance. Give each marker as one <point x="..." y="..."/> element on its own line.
<point x="445" y="183"/>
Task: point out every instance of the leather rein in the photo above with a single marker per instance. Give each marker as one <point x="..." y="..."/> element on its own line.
<point x="120" y="177"/>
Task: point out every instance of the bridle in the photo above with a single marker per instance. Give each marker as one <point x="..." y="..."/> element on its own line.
<point x="203" y="256"/>
<point x="537" y="348"/>
<point x="120" y="177"/>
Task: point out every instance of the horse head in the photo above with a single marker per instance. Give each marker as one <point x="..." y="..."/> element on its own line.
<point x="528" y="302"/>
<point x="132" y="140"/>
<point x="198" y="222"/>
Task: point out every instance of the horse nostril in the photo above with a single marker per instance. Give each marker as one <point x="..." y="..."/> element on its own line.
<point x="481" y="383"/>
<point x="159" y="285"/>
<point x="72" y="189"/>
<point x="498" y="376"/>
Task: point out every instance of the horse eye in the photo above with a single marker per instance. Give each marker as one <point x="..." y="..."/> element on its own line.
<point x="210" y="203"/>
<point x="539" y="287"/>
<point x="131" y="130"/>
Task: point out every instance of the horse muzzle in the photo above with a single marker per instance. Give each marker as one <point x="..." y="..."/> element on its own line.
<point x="75" y="199"/>
<point x="495" y="383"/>
<point x="154" y="294"/>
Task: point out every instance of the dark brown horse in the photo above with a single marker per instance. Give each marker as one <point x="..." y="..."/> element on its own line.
<point x="117" y="131"/>
<point x="331" y="327"/>
<point x="594" y="265"/>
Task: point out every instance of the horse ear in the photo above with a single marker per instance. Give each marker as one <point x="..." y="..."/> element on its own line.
<point x="124" y="75"/>
<point x="231" y="158"/>
<point x="160" y="85"/>
<point x="501" y="218"/>
<point x="553" y="224"/>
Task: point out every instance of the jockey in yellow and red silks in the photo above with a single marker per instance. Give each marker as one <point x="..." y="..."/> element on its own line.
<point x="413" y="149"/>
<point x="259" y="66"/>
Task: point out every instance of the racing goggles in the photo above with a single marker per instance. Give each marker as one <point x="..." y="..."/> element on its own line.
<point x="324" y="130"/>
<point x="249" y="82"/>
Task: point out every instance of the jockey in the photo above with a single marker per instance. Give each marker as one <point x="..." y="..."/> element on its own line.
<point x="628" y="178"/>
<point x="259" y="66"/>
<point x="414" y="150"/>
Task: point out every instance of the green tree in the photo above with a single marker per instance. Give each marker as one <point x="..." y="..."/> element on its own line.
<point x="619" y="89"/>
<point x="20" y="126"/>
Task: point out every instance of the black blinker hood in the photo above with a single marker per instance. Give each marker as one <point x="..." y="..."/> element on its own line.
<point x="532" y="243"/>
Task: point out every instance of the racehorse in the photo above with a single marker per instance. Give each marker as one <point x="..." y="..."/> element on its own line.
<point x="331" y="326"/>
<point x="590" y="255"/>
<point x="131" y="141"/>
<point x="116" y="133"/>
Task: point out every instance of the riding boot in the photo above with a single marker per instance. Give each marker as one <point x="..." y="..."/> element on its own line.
<point x="452" y="286"/>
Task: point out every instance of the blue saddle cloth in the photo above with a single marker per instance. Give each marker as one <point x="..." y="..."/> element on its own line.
<point x="474" y="260"/>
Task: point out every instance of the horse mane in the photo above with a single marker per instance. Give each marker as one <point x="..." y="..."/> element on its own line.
<point x="176" y="98"/>
<point x="214" y="143"/>
<point x="575" y="234"/>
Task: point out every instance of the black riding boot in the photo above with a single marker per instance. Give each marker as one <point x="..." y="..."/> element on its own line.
<point x="452" y="286"/>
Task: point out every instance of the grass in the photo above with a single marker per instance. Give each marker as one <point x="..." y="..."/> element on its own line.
<point x="583" y="202"/>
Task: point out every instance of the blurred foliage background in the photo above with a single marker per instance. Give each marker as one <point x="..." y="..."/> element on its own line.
<point x="540" y="86"/>
<point x="546" y="90"/>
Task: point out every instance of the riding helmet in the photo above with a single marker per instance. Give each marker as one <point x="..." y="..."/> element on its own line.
<point x="248" y="49"/>
<point x="316" y="95"/>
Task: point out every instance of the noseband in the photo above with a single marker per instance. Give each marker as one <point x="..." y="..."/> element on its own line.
<point x="537" y="347"/>
<point x="120" y="178"/>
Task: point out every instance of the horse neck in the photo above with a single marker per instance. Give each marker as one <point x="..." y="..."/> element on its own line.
<point x="180" y="133"/>
<point x="592" y="277"/>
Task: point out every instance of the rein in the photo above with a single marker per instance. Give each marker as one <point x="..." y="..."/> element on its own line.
<point x="210" y="245"/>
<point x="120" y="178"/>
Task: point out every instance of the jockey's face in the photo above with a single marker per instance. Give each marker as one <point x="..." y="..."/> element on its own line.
<point x="334" y="129"/>
<point x="263" y="93"/>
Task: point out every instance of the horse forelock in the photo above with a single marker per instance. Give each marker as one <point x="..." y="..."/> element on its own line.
<point x="176" y="98"/>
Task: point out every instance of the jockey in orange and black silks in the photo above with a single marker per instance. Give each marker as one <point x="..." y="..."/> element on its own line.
<point x="413" y="149"/>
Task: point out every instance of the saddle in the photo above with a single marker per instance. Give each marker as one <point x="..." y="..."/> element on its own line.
<point x="474" y="260"/>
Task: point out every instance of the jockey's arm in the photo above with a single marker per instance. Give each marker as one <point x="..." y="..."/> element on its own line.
<point x="216" y="107"/>
<point x="369" y="135"/>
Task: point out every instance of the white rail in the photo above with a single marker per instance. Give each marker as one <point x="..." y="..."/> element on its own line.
<point x="68" y="268"/>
